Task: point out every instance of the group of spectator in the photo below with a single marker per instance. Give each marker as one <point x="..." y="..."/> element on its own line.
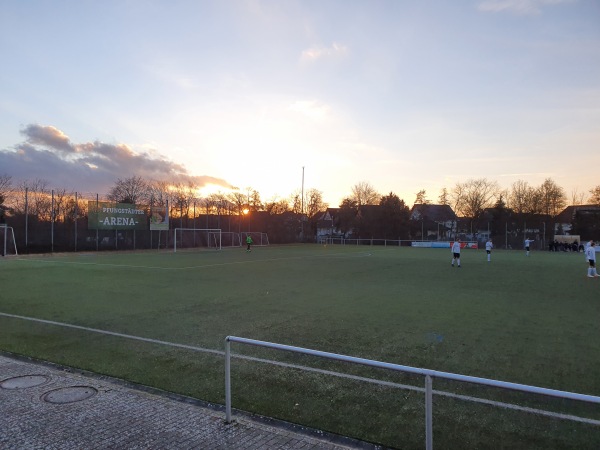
<point x="555" y="246"/>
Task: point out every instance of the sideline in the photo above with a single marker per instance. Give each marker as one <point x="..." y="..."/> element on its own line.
<point x="320" y="371"/>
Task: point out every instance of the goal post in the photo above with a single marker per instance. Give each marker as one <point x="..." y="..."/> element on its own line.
<point x="258" y="238"/>
<point x="230" y="239"/>
<point x="197" y="238"/>
<point x="8" y="244"/>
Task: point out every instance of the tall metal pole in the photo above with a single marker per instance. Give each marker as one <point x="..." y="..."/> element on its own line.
<point x="26" y="216"/>
<point x="96" y="218"/>
<point x="52" y="225"/>
<point x="544" y="237"/>
<point x="302" y="209"/>
<point x="75" y="220"/>
<point x="302" y="200"/>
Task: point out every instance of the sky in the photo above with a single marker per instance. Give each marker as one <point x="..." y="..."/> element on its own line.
<point x="276" y="96"/>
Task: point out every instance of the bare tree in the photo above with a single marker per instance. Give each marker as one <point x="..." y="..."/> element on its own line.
<point x="577" y="198"/>
<point x="74" y="208"/>
<point x="314" y="202"/>
<point x="365" y="194"/>
<point x="520" y="196"/>
<point x="209" y="203"/>
<point x="255" y="203"/>
<point x="472" y="197"/>
<point x="296" y="202"/>
<point x="6" y="188"/>
<point x="158" y="193"/>
<point x="132" y="190"/>
<point x="277" y="206"/>
<point x="238" y="199"/>
<point x="444" y="197"/>
<point x="221" y="202"/>
<point x="183" y="195"/>
<point x="553" y="197"/>
<point x="61" y="199"/>
<point x="422" y="198"/>
<point x="36" y="196"/>
<point x="595" y="195"/>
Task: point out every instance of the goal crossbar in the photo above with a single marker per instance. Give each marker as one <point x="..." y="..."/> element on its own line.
<point x="209" y="237"/>
<point x="259" y="238"/>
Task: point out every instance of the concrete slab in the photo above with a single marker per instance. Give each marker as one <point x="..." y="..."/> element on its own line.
<point x="93" y="412"/>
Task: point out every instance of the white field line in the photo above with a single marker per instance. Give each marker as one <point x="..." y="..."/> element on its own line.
<point x="320" y="371"/>
<point x="202" y="266"/>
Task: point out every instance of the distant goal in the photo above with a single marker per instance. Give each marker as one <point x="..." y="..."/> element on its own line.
<point x="8" y="245"/>
<point x="258" y="238"/>
<point x="197" y="238"/>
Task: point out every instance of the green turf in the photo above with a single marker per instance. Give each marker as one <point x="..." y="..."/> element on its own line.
<point x="531" y="320"/>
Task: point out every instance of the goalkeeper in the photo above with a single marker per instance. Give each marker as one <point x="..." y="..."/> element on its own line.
<point x="248" y="243"/>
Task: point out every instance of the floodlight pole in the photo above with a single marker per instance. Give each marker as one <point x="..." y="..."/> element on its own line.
<point x="302" y="208"/>
<point x="544" y="237"/>
<point x="302" y="200"/>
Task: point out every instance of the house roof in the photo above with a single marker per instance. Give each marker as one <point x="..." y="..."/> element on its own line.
<point x="328" y="214"/>
<point x="568" y="214"/>
<point x="437" y="213"/>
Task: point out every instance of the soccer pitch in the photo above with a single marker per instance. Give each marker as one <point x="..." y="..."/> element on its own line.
<point x="530" y="320"/>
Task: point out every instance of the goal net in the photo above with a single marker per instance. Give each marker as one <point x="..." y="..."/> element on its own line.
<point x="258" y="238"/>
<point x="8" y="245"/>
<point x="197" y="238"/>
<point x="230" y="239"/>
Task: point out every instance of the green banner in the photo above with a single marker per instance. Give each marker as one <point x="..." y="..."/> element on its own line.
<point x="116" y="216"/>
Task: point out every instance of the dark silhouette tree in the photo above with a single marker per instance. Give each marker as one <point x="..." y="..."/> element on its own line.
<point x="394" y="217"/>
<point x="421" y="198"/>
<point x="444" y="198"/>
<point x="595" y="195"/>
<point x="346" y="218"/>
<point x="364" y="194"/>
<point x="132" y="190"/>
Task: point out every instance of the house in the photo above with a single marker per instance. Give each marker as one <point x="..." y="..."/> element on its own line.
<point x="587" y="216"/>
<point x="437" y="221"/>
<point x="326" y="225"/>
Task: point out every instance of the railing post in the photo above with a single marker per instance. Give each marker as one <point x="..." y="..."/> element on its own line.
<point x="428" y="413"/>
<point x="227" y="380"/>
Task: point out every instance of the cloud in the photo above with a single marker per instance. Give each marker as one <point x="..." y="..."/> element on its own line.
<point x="315" y="53"/>
<point x="522" y="7"/>
<point x="311" y="108"/>
<point x="49" y="154"/>
<point x="48" y="137"/>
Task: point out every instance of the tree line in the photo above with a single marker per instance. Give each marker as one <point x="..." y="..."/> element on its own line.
<point x="364" y="211"/>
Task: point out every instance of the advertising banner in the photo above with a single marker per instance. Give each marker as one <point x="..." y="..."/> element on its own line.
<point x="116" y="216"/>
<point x="159" y="217"/>
<point x="442" y="244"/>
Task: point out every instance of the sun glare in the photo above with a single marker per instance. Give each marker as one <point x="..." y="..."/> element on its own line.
<point x="211" y="189"/>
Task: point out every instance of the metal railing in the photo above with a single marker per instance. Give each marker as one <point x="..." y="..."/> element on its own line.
<point x="428" y="374"/>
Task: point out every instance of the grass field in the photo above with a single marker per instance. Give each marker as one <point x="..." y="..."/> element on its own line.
<point x="531" y="320"/>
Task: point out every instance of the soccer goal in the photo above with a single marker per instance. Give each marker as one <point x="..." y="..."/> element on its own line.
<point x="8" y="245"/>
<point x="230" y="239"/>
<point x="258" y="238"/>
<point x="197" y="238"/>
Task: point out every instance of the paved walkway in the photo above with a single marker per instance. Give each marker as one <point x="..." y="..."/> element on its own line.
<point x="48" y="407"/>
